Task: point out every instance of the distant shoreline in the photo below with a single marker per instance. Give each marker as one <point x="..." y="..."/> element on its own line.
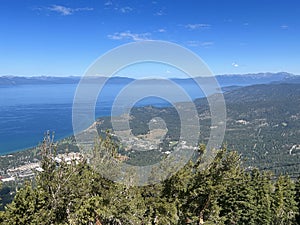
<point x="42" y="80"/>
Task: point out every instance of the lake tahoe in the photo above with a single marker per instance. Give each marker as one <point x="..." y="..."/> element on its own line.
<point x="27" y="111"/>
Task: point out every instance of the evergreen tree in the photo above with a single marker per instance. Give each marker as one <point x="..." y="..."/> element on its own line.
<point x="284" y="205"/>
<point x="222" y="193"/>
<point x="297" y="199"/>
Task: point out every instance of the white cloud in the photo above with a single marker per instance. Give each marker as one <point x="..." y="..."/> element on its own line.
<point x="126" y="9"/>
<point x="66" y="11"/>
<point x="234" y="64"/>
<point x="197" y="26"/>
<point x="284" y="27"/>
<point x="83" y="9"/>
<point x="127" y="35"/>
<point x="200" y="44"/>
<point x="61" y="9"/>
<point x="108" y="3"/>
<point x="161" y="30"/>
<point x="160" y="13"/>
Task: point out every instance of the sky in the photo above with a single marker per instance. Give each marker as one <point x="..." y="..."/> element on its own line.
<point x="63" y="38"/>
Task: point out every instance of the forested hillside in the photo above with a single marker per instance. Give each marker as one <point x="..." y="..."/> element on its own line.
<point x="262" y="125"/>
<point x="222" y="193"/>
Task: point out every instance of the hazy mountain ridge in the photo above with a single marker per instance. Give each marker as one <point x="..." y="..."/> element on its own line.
<point x="16" y="80"/>
<point x="251" y="79"/>
<point x="224" y="80"/>
<point x="42" y="80"/>
<point x="264" y="92"/>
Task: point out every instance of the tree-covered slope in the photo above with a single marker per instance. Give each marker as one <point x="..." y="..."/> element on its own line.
<point x="263" y="124"/>
<point x="223" y="193"/>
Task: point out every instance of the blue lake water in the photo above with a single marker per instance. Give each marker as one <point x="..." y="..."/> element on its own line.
<point x="27" y="111"/>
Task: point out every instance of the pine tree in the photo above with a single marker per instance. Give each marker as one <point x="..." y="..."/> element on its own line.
<point x="284" y="205"/>
<point x="221" y="193"/>
<point x="297" y="199"/>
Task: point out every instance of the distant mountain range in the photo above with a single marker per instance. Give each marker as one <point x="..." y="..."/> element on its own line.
<point x="224" y="80"/>
<point x="16" y="80"/>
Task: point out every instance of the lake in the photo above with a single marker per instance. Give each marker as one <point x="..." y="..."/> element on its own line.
<point x="27" y="111"/>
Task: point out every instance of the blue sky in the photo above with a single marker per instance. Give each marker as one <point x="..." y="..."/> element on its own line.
<point x="62" y="38"/>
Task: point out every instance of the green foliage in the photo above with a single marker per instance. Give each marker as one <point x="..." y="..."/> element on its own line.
<point x="284" y="204"/>
<point x="297" y="199"/>
<point x="222" y="193"/>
